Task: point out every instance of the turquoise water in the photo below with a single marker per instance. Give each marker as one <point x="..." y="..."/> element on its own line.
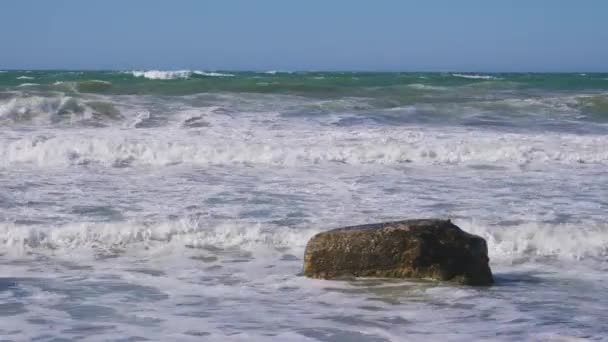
<point x="322" y="84"/>
<point x="434" y="97"/>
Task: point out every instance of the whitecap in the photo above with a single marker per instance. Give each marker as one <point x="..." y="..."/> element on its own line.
<point x="164" y="147"/>
<point x="182" y="232"/>
<point x="529" y="239"/>
<point x="212" y="74"/>
<point x="162" y="75"/>
<point x="475" y="76"/>
<point x="175" y="74"/>
<point x="537" y="239"/>
<point x="28" y="85"/>
<point x="25" y="78"/>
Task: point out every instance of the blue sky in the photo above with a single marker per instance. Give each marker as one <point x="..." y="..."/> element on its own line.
<point x="423" y="35"/>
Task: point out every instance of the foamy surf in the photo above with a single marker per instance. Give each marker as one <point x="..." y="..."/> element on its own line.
<point x="505" y="243"/>
<point x="164" y="147"/>
<point x="177" y="204"/>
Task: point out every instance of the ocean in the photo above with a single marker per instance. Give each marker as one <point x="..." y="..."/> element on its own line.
<point x="176" y="205"/>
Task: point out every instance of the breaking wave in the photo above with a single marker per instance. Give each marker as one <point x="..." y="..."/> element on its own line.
<point x="534" y="239"/>
<point x="186" y="232"/>
<point x="55" y="110"/>
<point x="162" y="75"/>
<point x="175" y="74"/>
<point x="166" y="147"/>
<point x="475" y="77"/>
<point x="528" y="240"/>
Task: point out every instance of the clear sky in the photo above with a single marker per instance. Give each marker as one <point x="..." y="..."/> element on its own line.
<point x="430" y="35"/>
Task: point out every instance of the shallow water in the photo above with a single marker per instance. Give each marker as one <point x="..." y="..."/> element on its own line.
<point x="176" y="206"/>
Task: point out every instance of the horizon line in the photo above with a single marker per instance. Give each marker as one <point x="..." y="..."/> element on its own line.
<point x="236" y="70"/>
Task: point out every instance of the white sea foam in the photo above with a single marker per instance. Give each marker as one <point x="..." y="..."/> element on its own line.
<point x="186" y="218"/>
<point x="28" y="85"/>
<point x="19" y="106"/>
<point x="472" y="76"/>
<point x="274" y="72"/>
<point x="175" y="74"/>
<point x="533" y="239"/>
<point x="39" y="109"/>
<point x="162" y="75"/>
<point x="212" y="74"/>
<point x="25" y="78"/>
<point x="168" y="147"/>
<point x="182" y="233"/>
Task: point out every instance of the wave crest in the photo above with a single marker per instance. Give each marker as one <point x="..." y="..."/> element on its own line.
<point x="175" y="74"/>
<point x="114" y="147"/>
<point x="475" y="76"/>
<point x="185" y="233"/>
<point x="527" y="240"/>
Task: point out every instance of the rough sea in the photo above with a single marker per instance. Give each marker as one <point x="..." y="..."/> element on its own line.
<point x="176" y="205"/>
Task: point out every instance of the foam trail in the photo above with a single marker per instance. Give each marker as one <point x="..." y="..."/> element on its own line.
<point x="212" y="74"/>
<point x="475" y="77"/>
<point x="425" y="87"/>
<point x="25" y="78"/>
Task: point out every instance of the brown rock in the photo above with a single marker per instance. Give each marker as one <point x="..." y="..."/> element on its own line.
<point x="428" y="249"/>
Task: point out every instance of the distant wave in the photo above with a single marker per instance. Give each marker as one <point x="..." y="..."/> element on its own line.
<point x="175" y="74"/>
<point x="475" y="77"/>
<point x="274" y="72"/>
<point x="211" y="74"/>
<point x="28" y="85"/>
<point x="98" y="81"/>
<point x="25" y="78"/>
<point x="420" y="86"/>
<point x="162" y="75"/>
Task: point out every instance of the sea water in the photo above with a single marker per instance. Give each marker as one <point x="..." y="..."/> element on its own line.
<point x="176" y="205"/>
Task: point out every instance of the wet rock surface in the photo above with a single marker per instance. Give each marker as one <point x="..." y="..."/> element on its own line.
<point x="424" y="249"/>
